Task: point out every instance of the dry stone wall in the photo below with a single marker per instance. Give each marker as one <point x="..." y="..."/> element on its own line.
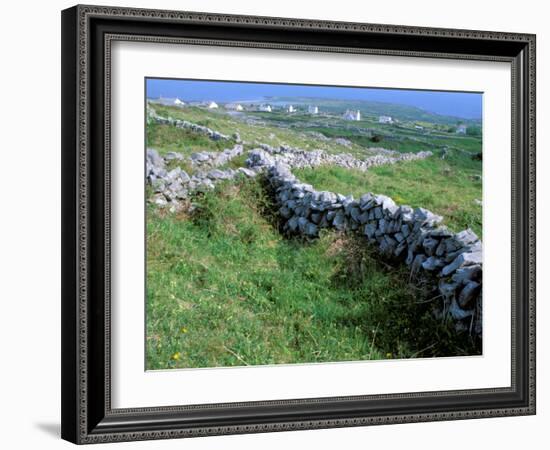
<point x="453" y="260"/>
<point x="212" y="134"/>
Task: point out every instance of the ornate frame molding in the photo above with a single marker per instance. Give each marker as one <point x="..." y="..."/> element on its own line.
<point x="80" y="418"/>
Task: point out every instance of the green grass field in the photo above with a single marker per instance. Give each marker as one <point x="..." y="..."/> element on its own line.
<point x="225" y="288"/>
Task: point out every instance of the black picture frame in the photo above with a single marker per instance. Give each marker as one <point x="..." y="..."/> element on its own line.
<point x="87" y="32"/>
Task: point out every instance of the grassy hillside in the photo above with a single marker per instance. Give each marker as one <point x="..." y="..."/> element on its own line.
<point x="259" y="132"/>
<point x="224" y="288"/>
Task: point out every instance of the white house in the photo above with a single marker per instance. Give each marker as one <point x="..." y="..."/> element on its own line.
<point x="290" y="109"/>
<point x="461" y="129"/>
<point x="234" y="106"/>
<point x="178" y="102"/>
<point x="313" y="109"/>
<point x="212" y="105"/>
<point x="352" y="115"/>
<point x="385" y="119"/>
<point x="265" y="108"/>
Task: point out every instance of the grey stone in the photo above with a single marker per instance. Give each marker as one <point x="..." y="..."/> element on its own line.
<point x="466" y="237"/>
<point x="400" y="249"/>
<point x="432" y="263"/>
<point x="369" y="230"/>
<point x="200" y="157"/>
<point x="247" y="172"/>
<point x="417" y="263"/>
<point x="399" y="237"/>
<point x="292" y="224"/>
<point x="363" y="218"/>
<point x="173" y="156"/>
<point x="457" y="312"/>
<point x="468" y="273"/>
<point x="316" y="218"/>
<point x="285" y="212"/>
<point x="339" y="221"/>
<point x="468" y="294"/>
<point x="311" y="229"/>
<point x="430" y="245"/>
<point x="424" y="216"/>
<point x="464" y="259"/>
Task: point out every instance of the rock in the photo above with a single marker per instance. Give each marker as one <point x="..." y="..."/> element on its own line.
<point x="311" y="230"/>
<point x="430" y="245"/>
<point x="447" y="289"/>
<point x="432" y="263"/>
<point x="417" y="263"/>
<point x="158" y="185"/>
<point x="355" y="212"/>
<point x="389" y="245"/>
<point x="464" y="259"/>
<point x="217" y="175"/>
<point x="155" y="158"/>
<point x="426" y="217"/>
<point x="363" y="218"/>
<point x="468" y="273"/>
<point x="199" y="157"/>
<point x="159" y="200"/>
<point x="410" y="257"/>
<point x="458" y="313"/>
<point x="440" y="232"/>
<point x="389" y="207"/>
<point x="468" y="294"/>
<point x="316" y="218"/>
<point x="292" y="224"/>
<point x="370" y="230"/>
<point x="184" y="177"/>
<point x="285" y="212"/>
<point x="339" y="221"/>
<point x="247" y="172"/>
<point x="400" y="249"/>
<point x="465" y="237"/>
<point x="173" y="156"/>
<point x="399" y="237"/>
<point x="406" y="213"/>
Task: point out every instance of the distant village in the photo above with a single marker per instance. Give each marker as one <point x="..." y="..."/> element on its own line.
<point x="350" y="114"/>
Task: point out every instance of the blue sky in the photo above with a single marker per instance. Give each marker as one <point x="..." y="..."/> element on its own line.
<point x="459" y="104"/>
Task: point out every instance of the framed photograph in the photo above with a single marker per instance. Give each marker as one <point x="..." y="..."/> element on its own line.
<point x="279" y="224"/>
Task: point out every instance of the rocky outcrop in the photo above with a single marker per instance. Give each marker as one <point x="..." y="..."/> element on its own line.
<point x="453" y="261"/>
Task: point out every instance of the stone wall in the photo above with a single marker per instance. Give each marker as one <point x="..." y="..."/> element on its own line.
<point x="454" y="261"/>
<point x="266" y="156"/>
<point x="212" y="134"/>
